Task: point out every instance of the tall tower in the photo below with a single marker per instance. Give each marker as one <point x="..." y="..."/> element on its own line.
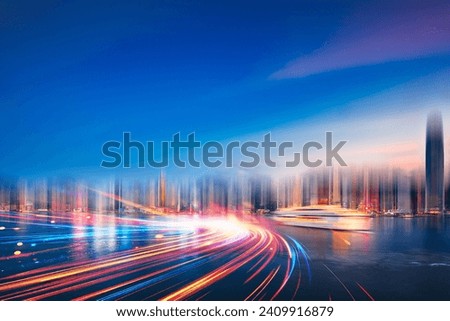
<point x="434" y="197"/>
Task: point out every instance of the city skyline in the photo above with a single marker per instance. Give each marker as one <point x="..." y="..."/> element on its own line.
<point x="365" y="189"/>
<point x="290" y="150"/>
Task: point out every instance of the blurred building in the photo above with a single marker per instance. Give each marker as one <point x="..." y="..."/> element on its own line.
<point x="434" y="167"/>
<point x="391" y="191"/>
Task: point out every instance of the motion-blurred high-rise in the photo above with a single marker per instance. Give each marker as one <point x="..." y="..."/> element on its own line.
<point x="434" y="199"/>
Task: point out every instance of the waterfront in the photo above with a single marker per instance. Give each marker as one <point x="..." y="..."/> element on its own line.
<point x="86" y="256"/>
<point x="397" y="259"/>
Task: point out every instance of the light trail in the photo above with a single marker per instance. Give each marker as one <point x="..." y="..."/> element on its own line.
<point x="340" y="282"/>
<point x="180" y="258"/>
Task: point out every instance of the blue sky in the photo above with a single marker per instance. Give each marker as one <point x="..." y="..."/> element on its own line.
<point x="74" y="75"/>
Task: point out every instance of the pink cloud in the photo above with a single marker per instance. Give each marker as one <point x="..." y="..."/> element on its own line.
<point x="379" y="35"/>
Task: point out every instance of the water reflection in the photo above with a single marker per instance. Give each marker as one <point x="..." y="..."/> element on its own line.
<point x="396" y="259"/>
<point x="91" y="257"/>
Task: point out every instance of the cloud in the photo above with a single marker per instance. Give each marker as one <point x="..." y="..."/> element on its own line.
<point x="378" y="35"/>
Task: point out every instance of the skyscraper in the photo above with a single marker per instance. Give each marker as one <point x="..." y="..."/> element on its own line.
<point x="434" y="202"/>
